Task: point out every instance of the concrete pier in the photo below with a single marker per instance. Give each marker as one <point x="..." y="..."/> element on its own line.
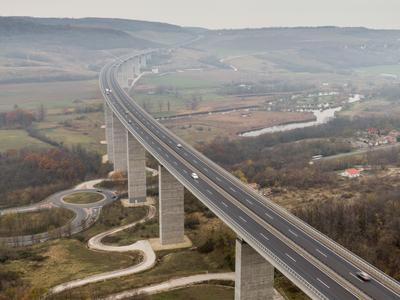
<point x="108" y="115"/>
<point x="136" y="66"/>
<point x="120" y="145"/>
<point x="171" y="208"/>
<point x="254" y="276"/>
<point x="136" y="170"/>
<point x="143" y="61"/>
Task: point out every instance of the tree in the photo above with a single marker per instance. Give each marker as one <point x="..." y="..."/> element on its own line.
<point x="41" y="113"/>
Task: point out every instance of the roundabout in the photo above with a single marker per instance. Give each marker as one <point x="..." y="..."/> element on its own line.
<point x="85" y="215"/>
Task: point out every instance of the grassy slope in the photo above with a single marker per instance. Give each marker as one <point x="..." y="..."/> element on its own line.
<point x="18" y="139"/>
<point x="198" y="292"/>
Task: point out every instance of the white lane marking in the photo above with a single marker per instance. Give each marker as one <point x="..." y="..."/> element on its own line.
<point x="166" y="154"/>
<point x="355" y="276"/>
<point x="323" y="283"/>
<point x="153" y="142"/>
<point x="269" y="216"/>
<point x="205" y="169"/>
<point x="208" y="191"/>
<point x="232" y="189"/>
<point x="195" y="161"/>
<point x="219" y="179"/>
<point x="159" y="148"/>
<point x="294" y="233"/>
<point x="248" y="201"/>
<point x="290" y="257"/>
<point x="264" y="236"/>
<point x="185" y="171"/>
<point x="243" y="219"/>
<point x="184" y="153"/>
<point x="175" y="163"/>
<point x="320" y="252"/>
<point x="224" y="204"/>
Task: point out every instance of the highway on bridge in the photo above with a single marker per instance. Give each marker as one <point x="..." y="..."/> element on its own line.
<point x="315" y="263"/>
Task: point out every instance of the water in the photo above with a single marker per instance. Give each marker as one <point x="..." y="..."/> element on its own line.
<point x="322" y="117"/>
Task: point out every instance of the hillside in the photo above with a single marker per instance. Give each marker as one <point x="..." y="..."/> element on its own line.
<point x="313" y="49"/>
<point x="51" y="49"/>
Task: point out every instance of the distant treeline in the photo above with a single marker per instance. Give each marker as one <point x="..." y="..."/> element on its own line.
<point x="17" y="118"/>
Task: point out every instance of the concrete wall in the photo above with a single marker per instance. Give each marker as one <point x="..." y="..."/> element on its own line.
<point x="136" y="170"/>
<point x="108" y="115"/>
<point x="254" y="276"/>
<point x="171" y="208"/>
<point x="119" y="145"/>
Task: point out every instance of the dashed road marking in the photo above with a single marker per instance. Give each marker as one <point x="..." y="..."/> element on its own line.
<point x="208" y="191"/>
<point x="264" y="236"/>
<point x="243" y="219"/>
<point x="290" y="257"/>
<point x="224" y="204"/>
<point x="269" y="216"/>
<point x="320" y="252"/>
<point x="323" y="283"/>
<point x="248" y="201"/>
<point x="294" y="233"/>
<point x="232" y="189"/>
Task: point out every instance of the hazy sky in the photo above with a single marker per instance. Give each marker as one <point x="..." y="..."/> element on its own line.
<point x="220" y="13"/>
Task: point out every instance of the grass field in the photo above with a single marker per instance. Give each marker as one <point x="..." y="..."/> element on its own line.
<point x="18" y="139"/>
<point x="83" y="198"/>
<point x="67" y="260"/>
<point x="74" y="129"/>
<point x="379" y="70"/>
<point x="197" y="292"/>
<point x="50" y="94"/>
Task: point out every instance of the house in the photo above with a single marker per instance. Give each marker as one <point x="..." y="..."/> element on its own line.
<point x="351" y="173"/>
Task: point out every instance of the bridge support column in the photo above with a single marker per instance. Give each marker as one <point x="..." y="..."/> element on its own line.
<point x="143" y="61"/>
<point x="171" y="208"/>
<point x="119" y="145"/>
<point x="254" y="276"/>
<point x="136" y="64"/>
<point x="108" y="115"/>
<point x="136" y="170"/>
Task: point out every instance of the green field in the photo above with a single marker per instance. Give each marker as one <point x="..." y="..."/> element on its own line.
<point x="18" y="139"/>
<point x="50" y="94"/>
<point x="379" y="70"/>
<point x="198" y="292"/>
<point x="83" y="198"/>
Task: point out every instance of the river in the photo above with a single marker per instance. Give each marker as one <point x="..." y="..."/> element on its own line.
<point x="322" y="117"/>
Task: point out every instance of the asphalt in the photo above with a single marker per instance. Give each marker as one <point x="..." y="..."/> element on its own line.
<point x="217" y="191"/>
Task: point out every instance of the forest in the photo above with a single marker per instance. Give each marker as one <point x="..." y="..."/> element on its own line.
<point x="33" y="175"/>
<point x="370" y="227"/>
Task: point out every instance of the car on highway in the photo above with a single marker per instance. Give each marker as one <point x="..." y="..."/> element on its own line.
<point x="179" y="145"/>
<point x="364" y="276"/>
<point x="195" y="176"/>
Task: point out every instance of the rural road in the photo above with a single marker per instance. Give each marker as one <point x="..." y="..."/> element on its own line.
<point x="179" y="283"/>
<point x="149" y="257"/>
